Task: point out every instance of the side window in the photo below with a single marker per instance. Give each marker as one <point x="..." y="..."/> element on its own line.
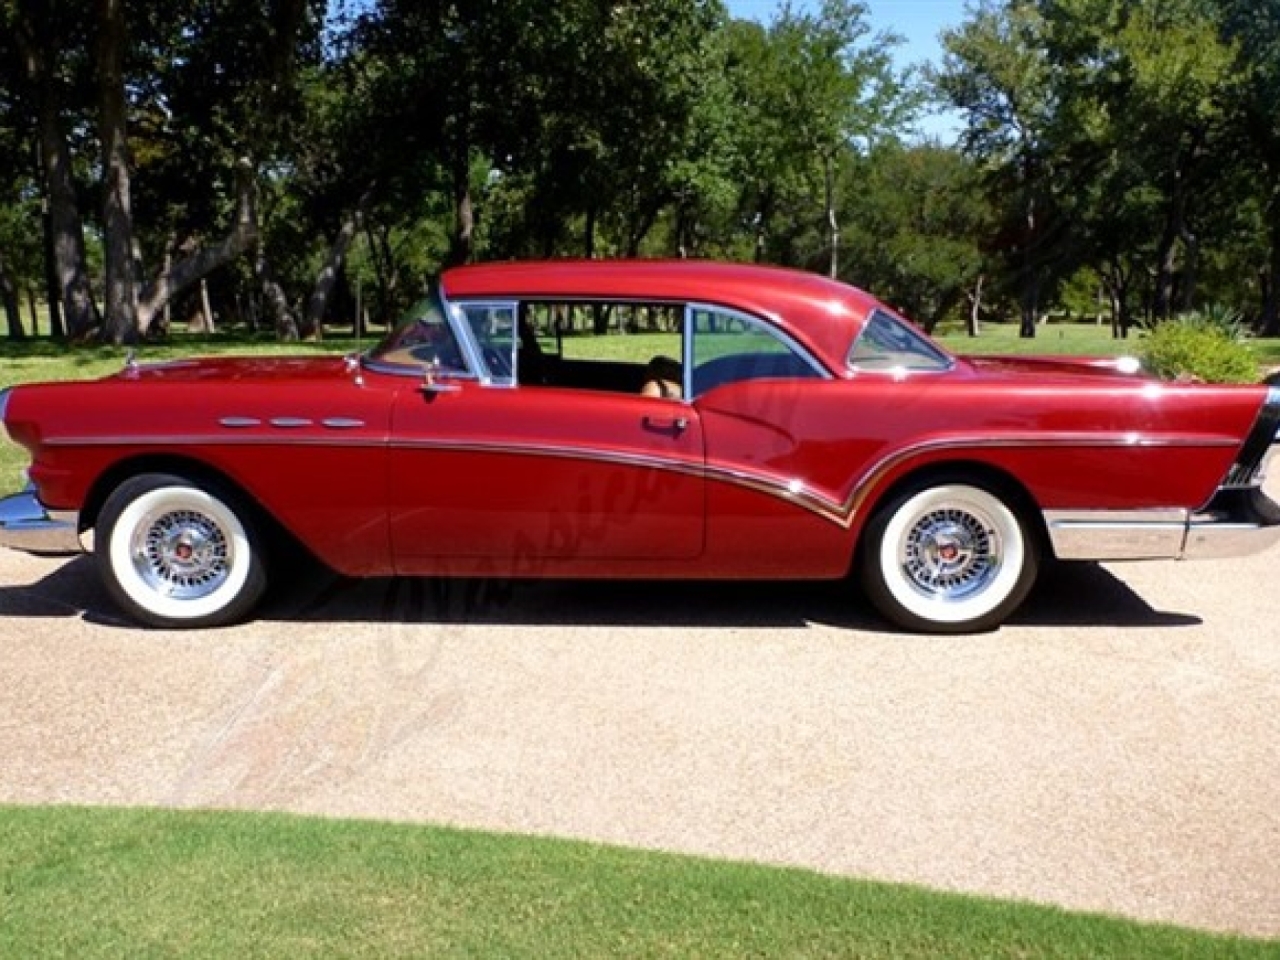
<point x="601" y="345"/>
<point x="729" y="347"/>
<point x="494" y="327"/>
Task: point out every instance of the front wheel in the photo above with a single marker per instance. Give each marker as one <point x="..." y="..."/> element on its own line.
<point x="948" y="557"/>
<point x="176" y="554"/>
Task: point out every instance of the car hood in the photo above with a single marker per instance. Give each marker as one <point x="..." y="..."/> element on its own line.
<point x="238" y="369"/>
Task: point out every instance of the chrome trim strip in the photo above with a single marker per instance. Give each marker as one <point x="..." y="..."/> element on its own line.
<point x="238" y="423"/>
<point x="686" y="466"/>
<point x="856" y="500"/>
<point x="342" y="423"/>
<point x="223" y="440"/>
<point x="291" y="423"/>
<point x="792" y="490"/>
<point x="27" y="525"/>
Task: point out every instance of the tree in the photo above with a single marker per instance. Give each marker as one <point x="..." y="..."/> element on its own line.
<point x="815" y="89"/>
<point x="921" y="215"/>
<point x="42" y="36"/>
<point x="1253" y="26"/>
<point x="996" y="72"/>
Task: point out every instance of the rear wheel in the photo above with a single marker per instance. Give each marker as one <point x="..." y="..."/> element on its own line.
<point x="948" y="557"/>
<point x="175" y="553"/>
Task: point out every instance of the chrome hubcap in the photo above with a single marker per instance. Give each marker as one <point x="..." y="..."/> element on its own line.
<point x="951" y="554"/>
<point x="182" y="554"/>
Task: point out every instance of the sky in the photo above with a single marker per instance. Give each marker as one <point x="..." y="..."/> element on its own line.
<point x="918" y="22"/>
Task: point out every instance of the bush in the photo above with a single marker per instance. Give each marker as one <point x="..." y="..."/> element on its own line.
<point x="1206" y="346"/>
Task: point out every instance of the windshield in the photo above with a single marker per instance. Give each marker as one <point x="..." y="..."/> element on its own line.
<point x="887" y="343"/>
<point x="422" y="338"/>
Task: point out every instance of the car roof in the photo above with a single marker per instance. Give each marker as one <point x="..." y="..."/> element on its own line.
<point x="823" y="314"/>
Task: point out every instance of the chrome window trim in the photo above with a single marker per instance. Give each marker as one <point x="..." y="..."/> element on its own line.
<point x="465" y="345"/>
<point x="898" y="372"/>
<point x="786" y="339"/>
<point x="474" y="351"/>
<point x="466" y="340"/>
<point x="686" y="354"/>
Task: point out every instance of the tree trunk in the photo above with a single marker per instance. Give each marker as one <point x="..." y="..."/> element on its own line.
<point x="1167" y="253"/>
<point x="286" y="324"/>
<point x="65" y="233"/>
<point x="1191" y="275"/>
<point x="1269" y="321"/>
<point x="121" y="297"/>
<point x="12" y="311"/>
<point x="833" y="225"/>
<point x="464" y="217"/>
<point x="318" y="304"/>
<point x="640" y="226"/>
<point x="975" y="307"/>
<point x="34" y="309"/>
<point x="242" y="236"/>
<point x="589" y="234"/>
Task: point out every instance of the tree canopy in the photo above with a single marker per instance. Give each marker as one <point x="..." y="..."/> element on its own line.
<point x="285" y="164"/>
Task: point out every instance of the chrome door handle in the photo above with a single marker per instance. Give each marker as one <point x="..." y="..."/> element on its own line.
<point x="672" y="425"/>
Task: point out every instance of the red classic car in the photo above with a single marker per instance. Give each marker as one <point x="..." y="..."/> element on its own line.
<point x="642" y="420"/>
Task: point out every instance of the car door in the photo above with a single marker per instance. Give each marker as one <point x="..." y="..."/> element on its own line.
<point x="781" y="444"/>
<point x="487" y="476"/>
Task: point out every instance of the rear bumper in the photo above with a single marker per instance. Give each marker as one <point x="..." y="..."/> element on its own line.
<point x="1237" y="523"/>
<point x="27" y="525"/>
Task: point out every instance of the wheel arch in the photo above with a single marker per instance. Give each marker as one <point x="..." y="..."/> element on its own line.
<point x="980" y="473"/>
<point x="188" y="468"/>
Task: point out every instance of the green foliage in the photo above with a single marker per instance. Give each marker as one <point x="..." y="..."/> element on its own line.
<point x="1131" y="141"/>
<point x="110" y="883"/>
<point x="1202" y="347"/>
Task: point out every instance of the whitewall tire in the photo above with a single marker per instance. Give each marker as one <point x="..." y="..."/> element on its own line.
<point x="948" y="557"/>
<point x="177" y="554"/>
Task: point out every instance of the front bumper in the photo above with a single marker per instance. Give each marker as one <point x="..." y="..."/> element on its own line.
<point x="27" y="525"/>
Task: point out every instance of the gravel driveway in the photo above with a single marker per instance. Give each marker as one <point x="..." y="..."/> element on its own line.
<point x="1117" y="748"/>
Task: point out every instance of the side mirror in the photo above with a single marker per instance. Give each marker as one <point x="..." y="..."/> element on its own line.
<point x="431" y="383"/>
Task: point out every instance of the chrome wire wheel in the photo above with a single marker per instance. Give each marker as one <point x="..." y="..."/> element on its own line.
<point x="948" y="558"/>
<point x="176" y="554"/>
<point x="952" y="553"/>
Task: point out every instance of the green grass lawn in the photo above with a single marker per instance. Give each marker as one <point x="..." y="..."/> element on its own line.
<point x="139" y="883"/>
<point x="1080" y="339"/>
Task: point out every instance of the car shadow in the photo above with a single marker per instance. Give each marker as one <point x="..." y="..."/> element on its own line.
<point x="1068" y="594"/>
<point x="72" y="589"/>
<point x="1081" y="594"/>
<point x="572" y="603"/>
<point x="1074" y="594"/>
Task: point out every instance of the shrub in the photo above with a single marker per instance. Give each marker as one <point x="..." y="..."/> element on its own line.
<point x="1205" y="346"/>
